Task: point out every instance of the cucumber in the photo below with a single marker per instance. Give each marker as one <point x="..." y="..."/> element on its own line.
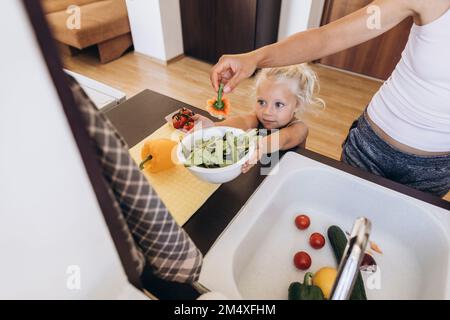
<point x="338" y="242"/>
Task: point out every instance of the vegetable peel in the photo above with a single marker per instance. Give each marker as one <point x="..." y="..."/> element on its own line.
<point x="219" y="107"/>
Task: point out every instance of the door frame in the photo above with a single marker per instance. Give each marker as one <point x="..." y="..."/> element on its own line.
<point x="326" y="11"/>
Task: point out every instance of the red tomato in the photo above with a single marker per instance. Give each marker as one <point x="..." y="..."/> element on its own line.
<point x="188" y="126"/>
<point x="187" y="112"/>
<point x="317" y="241"/>
<point x="302" y="222"/>
<point x="302" y="260"/>
<point x="178" y="121"/>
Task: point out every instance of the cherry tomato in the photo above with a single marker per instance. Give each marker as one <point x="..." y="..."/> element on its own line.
<point x="317" y="241"/>
<point x="187" y="112"/>
<point x="302" y="222"/>
<point x="302" y="260"/>
<point x="188" y="126"/>
<point x="178" y="121"/>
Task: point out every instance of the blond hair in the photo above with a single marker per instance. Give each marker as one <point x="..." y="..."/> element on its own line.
<point x="307" y="84"/>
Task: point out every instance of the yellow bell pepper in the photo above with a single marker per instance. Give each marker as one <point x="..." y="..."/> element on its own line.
<point x="157" y="155"/>
<point x="324" y="279"/>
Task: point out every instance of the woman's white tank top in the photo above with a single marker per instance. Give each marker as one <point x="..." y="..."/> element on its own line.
<point x="413" y="105"/>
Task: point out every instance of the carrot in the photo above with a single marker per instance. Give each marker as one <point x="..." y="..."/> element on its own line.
<point x="219" y="107"/>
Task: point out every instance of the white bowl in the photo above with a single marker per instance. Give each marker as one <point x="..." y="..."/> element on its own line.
<point x="214" y="175"/>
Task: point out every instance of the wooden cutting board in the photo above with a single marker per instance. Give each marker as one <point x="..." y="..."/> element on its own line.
<point x="181" y="192"/>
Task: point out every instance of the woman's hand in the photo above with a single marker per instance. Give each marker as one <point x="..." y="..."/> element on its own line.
<point x="232" y="69"/>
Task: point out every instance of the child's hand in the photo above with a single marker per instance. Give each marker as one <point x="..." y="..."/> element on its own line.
<point x="253" y="160"/>
<point x="248" y="165"/>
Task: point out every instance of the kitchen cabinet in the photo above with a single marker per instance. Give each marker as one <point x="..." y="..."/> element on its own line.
<point x="213" y="28"/>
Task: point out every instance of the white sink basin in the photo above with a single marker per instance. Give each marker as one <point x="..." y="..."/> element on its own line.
<point x="252" y="259"/>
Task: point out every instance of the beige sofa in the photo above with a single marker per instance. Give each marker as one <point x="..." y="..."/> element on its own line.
<point x="104" y="23"/>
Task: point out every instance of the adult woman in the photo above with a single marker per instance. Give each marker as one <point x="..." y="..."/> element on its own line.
<point x="404" y="134"/>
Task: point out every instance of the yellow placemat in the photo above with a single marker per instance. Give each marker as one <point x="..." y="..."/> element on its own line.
<point x="182" y="193"/>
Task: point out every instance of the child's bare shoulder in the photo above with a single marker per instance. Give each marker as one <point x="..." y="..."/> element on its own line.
<point x="297" y="123"/>
<point x="297" y="126"/>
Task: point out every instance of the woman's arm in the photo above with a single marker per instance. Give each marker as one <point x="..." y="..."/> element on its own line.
<point x="313" y="44"/>
<point x="336" y="36"/>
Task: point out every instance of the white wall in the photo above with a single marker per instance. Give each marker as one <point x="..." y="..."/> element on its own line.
<point x="49" y="215"/>
<point x="171" y="21"/>
<point x="156" y="27"/>
<point x="299" y="15"/>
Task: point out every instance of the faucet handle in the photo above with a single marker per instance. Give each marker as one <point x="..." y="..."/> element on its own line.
<point x="351" y="260"/>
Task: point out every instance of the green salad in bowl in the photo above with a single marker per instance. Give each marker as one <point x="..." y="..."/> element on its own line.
<point x="217" y="154"/>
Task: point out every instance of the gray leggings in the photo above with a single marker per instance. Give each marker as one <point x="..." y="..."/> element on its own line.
<point x="364" y="149"/>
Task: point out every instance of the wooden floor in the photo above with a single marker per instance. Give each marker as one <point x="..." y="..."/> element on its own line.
<point x="187" y="80"/>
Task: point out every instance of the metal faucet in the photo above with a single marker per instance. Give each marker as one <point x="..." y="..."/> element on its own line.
<point x="351" y="260"/>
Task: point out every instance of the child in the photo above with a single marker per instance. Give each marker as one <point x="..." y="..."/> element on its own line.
<point x="281" y="94"/>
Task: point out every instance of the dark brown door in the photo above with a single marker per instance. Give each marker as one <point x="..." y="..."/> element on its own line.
<point x="199" y="37"/>
<point x="235" y="22"/>
<point x="376" y="58"/>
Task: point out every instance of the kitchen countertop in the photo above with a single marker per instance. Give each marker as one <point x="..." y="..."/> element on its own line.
<point x="141" y="115"/>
